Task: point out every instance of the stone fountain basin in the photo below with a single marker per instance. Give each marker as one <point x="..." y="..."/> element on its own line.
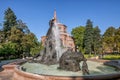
<point x="23" y="75"/>
<point x="95" y="68"/>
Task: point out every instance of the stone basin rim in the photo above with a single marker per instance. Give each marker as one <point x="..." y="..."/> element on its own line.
<point x="30" y="76"/>
<point x="117" y="73"/>
<point x="95" y="77"/>
<point x="92" y="75"/>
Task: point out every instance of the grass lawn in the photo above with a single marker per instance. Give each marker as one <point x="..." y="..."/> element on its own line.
<point x="106" y="57"/>
<point x="111" y="57"/>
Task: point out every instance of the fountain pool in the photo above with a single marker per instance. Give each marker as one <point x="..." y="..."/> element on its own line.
<point x="95" y="68"/>
<point x="54" y="64"/>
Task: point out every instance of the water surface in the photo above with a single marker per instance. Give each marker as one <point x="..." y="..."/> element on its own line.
<point x="95" y="68"/>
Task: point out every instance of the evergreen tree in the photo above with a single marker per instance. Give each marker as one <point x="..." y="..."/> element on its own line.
<point x="10" y="20"/>
<point x="88" y="37"/>
<point x="97" y="40"/>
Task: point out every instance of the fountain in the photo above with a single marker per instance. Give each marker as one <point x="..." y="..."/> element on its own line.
<point x="52" y="53"/>
<point x="52" y="50"/>
<point x="54" y="63"/>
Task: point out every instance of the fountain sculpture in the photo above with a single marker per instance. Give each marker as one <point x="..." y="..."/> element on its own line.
<point x="52" y="52"/>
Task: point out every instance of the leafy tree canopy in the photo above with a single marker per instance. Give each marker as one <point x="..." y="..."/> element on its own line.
<point x="78" y="35"/>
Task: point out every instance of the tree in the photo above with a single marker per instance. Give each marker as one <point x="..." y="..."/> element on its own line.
<point x="109" y="40"/>
<point x="78" y="35"/>
<point x="88" y="37"/>
<point x="15" y="37"/>
<point x="24" y="41"/>
<point x="10" y="20"/>
<point x="117" y="39"/>
<point x="29" y="41"/>
<point x="97" y="43"/>
<point x="35" y="50"/>
<point x="8" y="49"/>
<point x="1" y="36"/>
<point x="22" y="26"/>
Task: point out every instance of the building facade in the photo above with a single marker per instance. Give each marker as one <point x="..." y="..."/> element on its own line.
<point x="66" y="40"/>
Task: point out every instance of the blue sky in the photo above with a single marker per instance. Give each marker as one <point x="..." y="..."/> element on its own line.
<point x="37" y="13"/>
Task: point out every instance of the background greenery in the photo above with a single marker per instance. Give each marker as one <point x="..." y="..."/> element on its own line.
<point x="16" y="40"/>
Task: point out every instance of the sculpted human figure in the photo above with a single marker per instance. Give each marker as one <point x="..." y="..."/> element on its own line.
<point x="85" y="67"/>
